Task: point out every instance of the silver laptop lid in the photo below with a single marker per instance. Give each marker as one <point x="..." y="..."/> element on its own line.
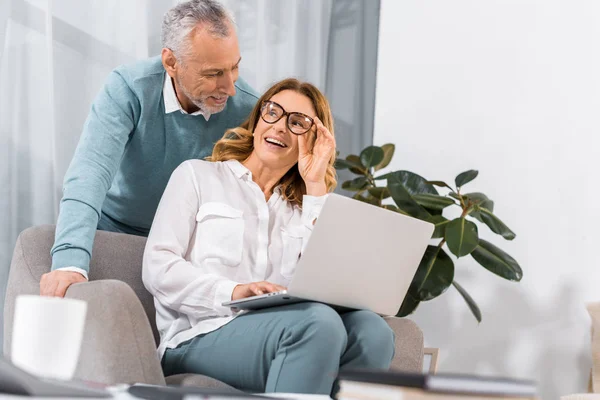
<point x="360" y="256"/>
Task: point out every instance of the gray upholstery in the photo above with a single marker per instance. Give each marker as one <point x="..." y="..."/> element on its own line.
<point x="409" y="345"/>
<point x="121" y="337"/>
<point x="118" y="340"/>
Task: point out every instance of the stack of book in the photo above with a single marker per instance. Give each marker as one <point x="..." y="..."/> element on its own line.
<point x="387" y="385"/>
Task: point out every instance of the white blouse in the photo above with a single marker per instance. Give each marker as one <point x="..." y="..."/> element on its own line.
<point x="213" y="230"/>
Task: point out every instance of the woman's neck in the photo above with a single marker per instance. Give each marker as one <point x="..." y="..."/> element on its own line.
<point x="266" y="178"/>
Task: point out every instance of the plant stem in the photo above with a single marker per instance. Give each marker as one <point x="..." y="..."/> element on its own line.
<point x="370" y="178"/>
<point x="460" y="198"/>
<point x="465" y="212"/>
<point x="441" y="243"/>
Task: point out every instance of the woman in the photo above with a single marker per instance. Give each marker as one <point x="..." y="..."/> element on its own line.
<point x="235" y="228"/>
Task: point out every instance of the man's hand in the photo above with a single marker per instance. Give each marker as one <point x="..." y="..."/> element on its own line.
<point x="254" y="289"/>
<point x="56" y="283"/>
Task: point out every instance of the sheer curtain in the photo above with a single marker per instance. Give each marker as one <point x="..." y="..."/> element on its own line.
<point x="281" y="39"/>
<point x="55" y="55"/>
<point x="351" y="75"/>
<point x="54" y="58"/>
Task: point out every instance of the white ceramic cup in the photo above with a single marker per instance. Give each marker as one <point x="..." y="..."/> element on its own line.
<point x="47" y="335"/>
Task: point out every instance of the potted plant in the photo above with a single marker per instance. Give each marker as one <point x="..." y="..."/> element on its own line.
<point x="410" y="194"/>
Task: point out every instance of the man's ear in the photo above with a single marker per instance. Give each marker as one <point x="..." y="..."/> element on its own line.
<point x="169" y="61"/>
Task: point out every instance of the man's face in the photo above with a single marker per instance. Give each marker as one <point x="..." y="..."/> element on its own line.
<point x="207" y="72"/>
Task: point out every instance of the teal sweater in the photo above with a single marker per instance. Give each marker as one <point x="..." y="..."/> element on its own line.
<point x="128" y="149"/>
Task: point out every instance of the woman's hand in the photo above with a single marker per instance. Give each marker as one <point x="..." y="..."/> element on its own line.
<point x="313" y="162"/>
<point x="255" y="289"/>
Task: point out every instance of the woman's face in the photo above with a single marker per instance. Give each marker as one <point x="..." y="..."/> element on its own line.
<point x="274" y="144"/>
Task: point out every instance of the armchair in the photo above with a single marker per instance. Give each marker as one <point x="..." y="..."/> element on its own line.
<point x="120" y="339"/>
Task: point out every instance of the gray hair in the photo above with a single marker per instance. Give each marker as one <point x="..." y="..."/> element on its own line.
<point x="180" y="20"/>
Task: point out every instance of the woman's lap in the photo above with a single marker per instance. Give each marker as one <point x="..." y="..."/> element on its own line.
<point x="242" y="352"/>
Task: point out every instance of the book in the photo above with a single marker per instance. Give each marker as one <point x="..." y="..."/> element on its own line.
<point x="370" y="384"/>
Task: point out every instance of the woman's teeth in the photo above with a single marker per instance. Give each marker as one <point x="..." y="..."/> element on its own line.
<point x="275" y="141"/>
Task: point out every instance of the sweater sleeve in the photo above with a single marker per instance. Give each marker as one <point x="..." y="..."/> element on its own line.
<point x="111" y="121"/>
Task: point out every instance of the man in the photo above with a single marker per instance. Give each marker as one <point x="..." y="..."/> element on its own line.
<point x="148" y="119"/>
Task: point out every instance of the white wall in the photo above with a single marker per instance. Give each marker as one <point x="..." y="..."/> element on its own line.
<point x="511" y="88"/>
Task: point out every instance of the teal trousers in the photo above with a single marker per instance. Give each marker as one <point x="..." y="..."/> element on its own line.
<point x="297" y="348"/>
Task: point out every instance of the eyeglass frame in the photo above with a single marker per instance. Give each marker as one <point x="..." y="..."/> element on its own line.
<point x="285" y="114"/>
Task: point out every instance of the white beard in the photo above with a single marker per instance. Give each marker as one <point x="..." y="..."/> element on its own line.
<point x="201" y="102"/>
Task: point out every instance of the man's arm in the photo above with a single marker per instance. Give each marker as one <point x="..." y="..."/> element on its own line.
<point x="112" y="119"/>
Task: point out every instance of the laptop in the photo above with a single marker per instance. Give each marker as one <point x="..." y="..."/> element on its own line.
<point x="359" y="256"/>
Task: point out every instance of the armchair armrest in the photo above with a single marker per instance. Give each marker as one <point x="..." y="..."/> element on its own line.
<point x="118" y="344"/>
<point x="408" y="346"/>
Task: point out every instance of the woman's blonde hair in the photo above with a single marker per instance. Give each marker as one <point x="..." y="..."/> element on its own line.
<point x="238" y="143"/>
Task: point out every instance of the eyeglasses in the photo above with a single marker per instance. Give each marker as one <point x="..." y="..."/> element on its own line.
<point x="297" y="123"/>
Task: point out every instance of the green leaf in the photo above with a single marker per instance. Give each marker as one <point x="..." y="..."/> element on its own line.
<point x="433" y="211"/>
<point x="469" y="300"/>
<point x="497" y="261"/>
<point x="355" y="184"/>
<point x="344" y="164"/>
<point x="392" y="207"/>
<point x="433" y="201"/>
<point x="368" y="199"/>
<point x="405" y="202"/>
<point x="409" y="305"/>
<point x="440" y="184"/>
<point x="380" y="192"/>
<point x="359" y="168"/>
<point x="384" y="176"/>
<point x="477" y="197"/>
<point x="494" y="223"/>
<point x="440" y="226"/>
<point x="480" y="199"/>
<point x="415" y="184"/>
<point x="461" y="236"/>
<point x="388" y="152"/>
<point x="371" y="156"/>
<point x="465" y="177"/>
<point x="454" y="195"/>
<point x="434" y="275"/>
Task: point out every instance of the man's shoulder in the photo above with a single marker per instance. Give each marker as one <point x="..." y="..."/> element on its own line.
<point x="245" y="95"/>
<point x="150" y="69"/>
<point x="240" y="105"/>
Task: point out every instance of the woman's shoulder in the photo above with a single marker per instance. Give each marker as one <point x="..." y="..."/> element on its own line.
<point x="196" y="164"/>
<point x="203" y="167"/>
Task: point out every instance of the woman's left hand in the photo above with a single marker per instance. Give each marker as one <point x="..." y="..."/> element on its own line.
<point x="313" y="162"/>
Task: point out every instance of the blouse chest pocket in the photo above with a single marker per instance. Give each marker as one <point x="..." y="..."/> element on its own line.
<point x="291" y="238"/>
<point x="220" y="233"/>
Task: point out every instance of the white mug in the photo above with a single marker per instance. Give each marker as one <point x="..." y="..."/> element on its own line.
<point x="47" y="335"/>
